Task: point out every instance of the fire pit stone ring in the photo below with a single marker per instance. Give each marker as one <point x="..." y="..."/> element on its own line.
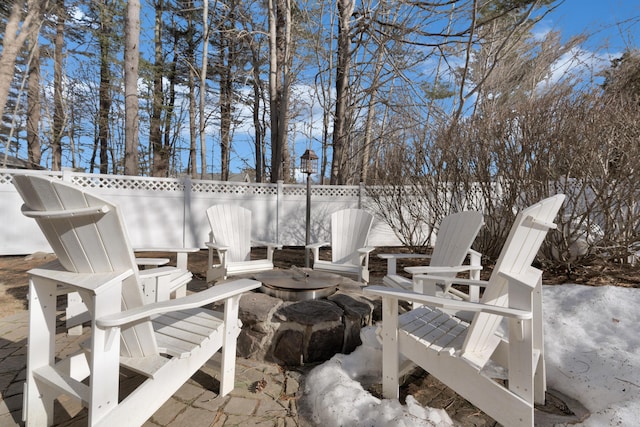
<point x="300" y="316"/>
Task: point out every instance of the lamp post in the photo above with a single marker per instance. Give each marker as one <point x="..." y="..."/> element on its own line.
<point x="308" y="165"/>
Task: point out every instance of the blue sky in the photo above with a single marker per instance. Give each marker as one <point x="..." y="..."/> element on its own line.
<point x="612" y="24"/>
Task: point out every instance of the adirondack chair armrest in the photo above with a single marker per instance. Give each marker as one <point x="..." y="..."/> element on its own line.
<point x="441" y="269"/>
<point x="156" y="262"/>
<point x="392" y="260"/>
<point x="364" y="256"/>
<point x="451" y="280"/>
<point x="181" y="254"/>
<point x="473" y="252"/>
<point x="447" y="303"/>
<point x="427" y="283"/>
<point x="91" y="282"/>
<point x="156" y="272"/>
<point x="195" y="300"/>
<point x="65" y="213"/>
<point x="404" y="256"/>
<point x="221" y="251"/>
<point x="315" y="249"/>
<point x="271" y="247"/>
<point x="174" y="250"/>
<point x="217" y="247"/>
<point x="525" y="280"/>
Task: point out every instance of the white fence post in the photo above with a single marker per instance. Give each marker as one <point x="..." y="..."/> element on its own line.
<point x="67" y="174"/>
<point x="279" y="200"/>
<point x="186" y="209"/>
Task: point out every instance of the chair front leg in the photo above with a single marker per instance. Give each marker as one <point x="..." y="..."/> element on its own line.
<point x="76" y="312"/>
<point x="390" y="349"/>
<point x="363" y="275"/>
<point x="315" y="251"/>
<point x="222" y="256"/>
<point x="38" y="401"/>
<point x="229" y="344"/>
<point x="540" y="376"/>
<point x="391" y="266"/>
<point x="475" y="260"/>
<point x="104" y="358"/>
<point x="182" y="260"/>
<point x="270" y="250"/>
<point x="521" y="360"/>
<point x="156" y="288"/>
<point x="217" y="271"/>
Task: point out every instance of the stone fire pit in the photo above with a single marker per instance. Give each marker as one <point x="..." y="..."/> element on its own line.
<point x="294" y="333"/>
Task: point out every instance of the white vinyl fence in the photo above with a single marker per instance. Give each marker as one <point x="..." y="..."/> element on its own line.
<point x="170" y="213"/>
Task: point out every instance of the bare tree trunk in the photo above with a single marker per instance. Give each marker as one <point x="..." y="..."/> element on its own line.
<point x="58" y="109"/>
<point x="168" y="138"/>
<point x="104" y="133"/>
<point x="193" y="127"/>
<point x="274" y="105"/>
<point x="279" y="85"/>
<point x="72" y="138"/>
<point x="284" y="21"/>
<point x="371" y="115"/>
<point x="366" y="143"/>
<point x="160" y="166"/>
<point x="338" y="172"/>
<point x="203" y="88"/>
<point x="257" y="124"/>
<point x="226" y="99"/>
<point x="131" y="61"/>
<point x="34" y="151"/>
<point x="227" y="45"/>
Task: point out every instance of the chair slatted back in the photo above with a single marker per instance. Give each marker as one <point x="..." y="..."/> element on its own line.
<point x="349" y="232"/>
<point x="87" y="235"/>
<point x="231" y="226"/>
<point x="455" y="236"/>
<point x="525" y="238"/>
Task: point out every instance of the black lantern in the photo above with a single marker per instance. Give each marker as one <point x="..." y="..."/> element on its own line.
<point x="309" y="162"/>
<point x="308" y="165"/>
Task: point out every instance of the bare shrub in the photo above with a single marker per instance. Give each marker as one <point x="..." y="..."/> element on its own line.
<point x="584" y="145"/>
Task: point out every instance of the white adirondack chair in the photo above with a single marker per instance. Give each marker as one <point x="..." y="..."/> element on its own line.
<point x="167" y="342"/>
<point x="231" y="241"/>
<point x="349" y="251"/>
<point x="453" y="245"/>
<point x="468" y="356"/>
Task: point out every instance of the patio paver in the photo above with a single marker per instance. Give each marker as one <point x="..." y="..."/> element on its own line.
<point x="196" y="404"/>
